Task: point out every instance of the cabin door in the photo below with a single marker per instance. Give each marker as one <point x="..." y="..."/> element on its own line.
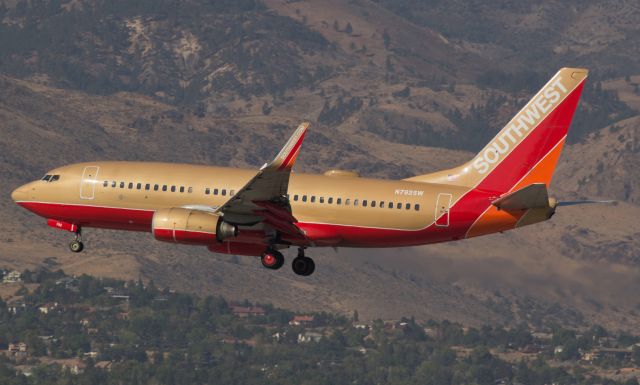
<point x="442" y="210"/>
<point x="88" y="182"/>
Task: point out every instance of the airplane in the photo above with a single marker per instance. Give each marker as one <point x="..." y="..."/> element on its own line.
<point x="259" y="213"/>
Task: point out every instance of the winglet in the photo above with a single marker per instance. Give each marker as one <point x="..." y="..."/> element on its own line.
<point x="289" y="153"/>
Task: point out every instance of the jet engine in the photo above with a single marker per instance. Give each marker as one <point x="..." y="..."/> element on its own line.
<point x="179" y="225"/>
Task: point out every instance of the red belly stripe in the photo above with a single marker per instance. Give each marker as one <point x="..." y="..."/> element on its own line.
<point x="93" y="216"/>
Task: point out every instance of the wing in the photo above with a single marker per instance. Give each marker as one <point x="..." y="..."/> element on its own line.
<point x="264" y="197"/>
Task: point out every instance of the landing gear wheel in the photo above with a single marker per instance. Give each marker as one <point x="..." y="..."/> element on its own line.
<point x="272" y="259"/>
<point x="304" y="266"/>
<point x="76" y="246"/>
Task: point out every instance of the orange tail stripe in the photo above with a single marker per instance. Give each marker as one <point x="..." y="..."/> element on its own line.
<point x="494" y="220"/>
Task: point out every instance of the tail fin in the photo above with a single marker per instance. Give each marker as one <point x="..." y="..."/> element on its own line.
<point x="527" y="149"/>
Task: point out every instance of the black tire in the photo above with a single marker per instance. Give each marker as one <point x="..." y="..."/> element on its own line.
<point x="303" y="266"/>
<point x="279" y="259"/>
<point x="76" y="246"/>
<point x="311" y="267"/>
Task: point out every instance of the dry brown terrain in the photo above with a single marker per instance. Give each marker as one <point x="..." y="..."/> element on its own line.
<point x="405" y="107"/>
<point x="585" y="260"/>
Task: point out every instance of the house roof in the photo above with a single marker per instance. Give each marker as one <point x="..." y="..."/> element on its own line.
<point x="103" y="364"/>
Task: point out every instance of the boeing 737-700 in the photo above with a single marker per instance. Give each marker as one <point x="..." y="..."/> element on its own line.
<point x="258" y="213"/>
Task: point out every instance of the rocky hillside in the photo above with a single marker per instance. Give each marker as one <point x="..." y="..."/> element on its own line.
<point x="392" y="89"/>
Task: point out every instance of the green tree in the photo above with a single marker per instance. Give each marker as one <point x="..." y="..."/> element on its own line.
<point x="386" y="39"/>
<point x="348" y="29"/>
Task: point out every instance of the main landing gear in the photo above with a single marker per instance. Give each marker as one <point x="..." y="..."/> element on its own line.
<point x="272" y="259"/>
<point x="301" y="265"/>
<point x="76" y="245"/>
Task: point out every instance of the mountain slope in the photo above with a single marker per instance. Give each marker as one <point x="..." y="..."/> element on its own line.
<point x="393" y="89"/>
<point x="472" y="281"/>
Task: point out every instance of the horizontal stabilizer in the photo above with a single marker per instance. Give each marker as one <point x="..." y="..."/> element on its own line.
<point x="529" y="197"/>
<point x="573" y="203"/>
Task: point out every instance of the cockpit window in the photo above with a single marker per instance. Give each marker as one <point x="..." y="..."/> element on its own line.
<point x="50" y="178"/>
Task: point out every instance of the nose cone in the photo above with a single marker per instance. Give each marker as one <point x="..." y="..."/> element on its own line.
<point x="19" y="194"/>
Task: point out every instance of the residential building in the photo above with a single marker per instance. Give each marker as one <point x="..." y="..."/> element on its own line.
<point x="75" y="366"/>
<point x="302" y="320"/>
<point x="104" y="365"/>
<point x="48" y="307"/>
<point x="12" y="277"/>
<point x="307" y="337"/>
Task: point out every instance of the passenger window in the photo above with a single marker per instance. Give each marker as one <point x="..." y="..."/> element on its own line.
<point x="207" y="191"/>
<point x="355" y="202"/>
<point x="373" y="203"/>
<point x="181" y="189"/>
<point x="173" y="188"/>
<point x="164" y="187"/>
<point x="339" y="201"/>
<point x="215" y="191"/>
<point x="156" y="187"/>
<point x="381" y="204"/>
<point x="313" y="199"/>
<point x="330" y="200"/>
<point x="139" y="186"/>
<point x="121" y="184"/>
<point x="304" y="198"/>
<point x="232" y="193"/>
<point x="147" y="187"/>
<point x="190" y="190"/>
<point x="407" y="206"/>
<point x="364" y="203"/>
<point x="105" y="183"/>
<point x="399" y="205"/>
<point x="347" y="202"/>
<point x="113" y="184"/>
<point x="224" y="192"/>
<point x="321" y="199"/>
<point x="130" y="185"/>
<point x="417" y="207"/>
<point x="295" y="197"/>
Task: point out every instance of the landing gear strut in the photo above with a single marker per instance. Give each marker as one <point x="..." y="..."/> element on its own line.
<point x="303" y="265"/>
<point x="272" y="259"/>
<point x="76" y="245"/>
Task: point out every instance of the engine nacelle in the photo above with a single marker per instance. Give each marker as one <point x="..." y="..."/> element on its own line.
<point x="187" y="226"/>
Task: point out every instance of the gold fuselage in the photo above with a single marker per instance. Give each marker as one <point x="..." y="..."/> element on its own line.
<point x="417" y="200"/>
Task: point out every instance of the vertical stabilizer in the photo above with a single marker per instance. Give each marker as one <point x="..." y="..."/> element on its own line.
<point x="527" y="149"/>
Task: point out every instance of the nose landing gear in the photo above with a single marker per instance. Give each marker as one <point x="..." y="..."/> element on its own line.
<point x="76" y="245"/>
<point x="303" y="265"/>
